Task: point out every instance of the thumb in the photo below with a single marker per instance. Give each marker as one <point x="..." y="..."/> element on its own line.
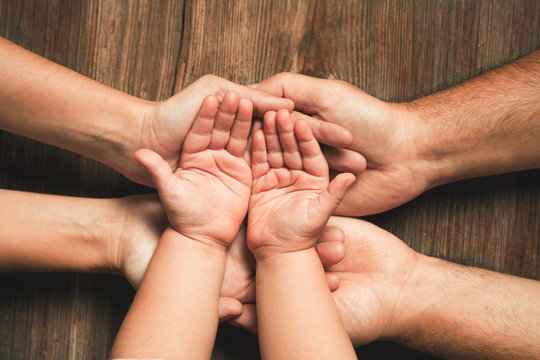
<point x="159" y="170"/>
<point x="310" y="95"/>
<point x="228" y="308"/>
<point x="336" y="191"/>
<point x="247" y="320"/>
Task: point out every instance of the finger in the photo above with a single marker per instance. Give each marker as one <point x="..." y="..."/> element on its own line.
<point x="273" y="146"/>
<point x="344" y="160"/>
<point x="159" y="170"/>
<point x="331" y="248"/>
<point x="262" y="102"/>
<point x="224" y="120"/>
<point x="312" y="157"/>
<point x="228" y="308"/>
<point x="311" y="96"/>
<point x="247" y="320"/>
<point x="240" y="128"/>
<point x="259" y="159"/>
<point x="308" y="93"/>
<point x="198" y="137"/>
<point x="339" y="186"/>
<point x="256" y="124"/>
<point x="326" y="132"/>
<point x="291" y="151"/>
<point x="332" y="279"/>
<point x="336" y="191"/>
<point x="332" y="233"/>
<point x="331" y="253"/>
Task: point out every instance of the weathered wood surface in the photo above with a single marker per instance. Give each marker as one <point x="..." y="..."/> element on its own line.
<point x="393" y="50"/>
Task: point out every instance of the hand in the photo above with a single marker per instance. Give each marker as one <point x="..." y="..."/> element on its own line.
<point x="142" y="220"/>
<point x="389" y="136"/>
<point x="164" y="124"/>
<point x="291" y="198"/>
<point x="207" y="196"/>
<point x="373" y="281"/>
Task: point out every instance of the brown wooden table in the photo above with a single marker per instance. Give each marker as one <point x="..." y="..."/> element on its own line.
<point x="394" y="50"/>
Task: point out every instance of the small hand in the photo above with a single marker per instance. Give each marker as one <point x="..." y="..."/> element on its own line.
<point x="389" y="136"/>
<point x="207" y="196"/>
<point x="291" y="198"/>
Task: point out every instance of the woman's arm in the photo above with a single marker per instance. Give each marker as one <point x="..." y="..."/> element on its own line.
<point x="51" y="103"/>
<point x="57" y="233"/>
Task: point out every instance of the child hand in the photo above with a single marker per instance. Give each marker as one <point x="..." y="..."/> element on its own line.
<point x="291" y="198"/>
<point x="206" y="198"/>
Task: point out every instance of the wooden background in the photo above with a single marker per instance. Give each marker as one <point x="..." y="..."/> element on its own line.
<point x="394" y="50"/>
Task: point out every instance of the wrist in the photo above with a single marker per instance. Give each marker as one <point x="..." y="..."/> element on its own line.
<point x="198" y="241"/>
<point x="434" y="149"/>
<point x="127" y="136"/>
<point x="419" y="300"/>
<point x="270" y="258"/>
<point x="111" y="232"/>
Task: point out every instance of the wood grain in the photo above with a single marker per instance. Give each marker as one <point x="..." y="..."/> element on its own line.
<point x="394" y="50"/>
<point x="132" y="46"/>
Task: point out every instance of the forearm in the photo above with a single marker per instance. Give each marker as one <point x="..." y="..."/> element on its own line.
<point x="487" y="125"/>
<point x="177" y="303"/>
<point x="308" y="326"/>
<point x="469" y="312"/>
<point x="56" y="233"/>
<point x="50" y="103"/>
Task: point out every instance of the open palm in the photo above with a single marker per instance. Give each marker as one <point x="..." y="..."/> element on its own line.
<point x="207" y="195"/>
<point x="291" y="198"/>
<point x="374" y="277"/>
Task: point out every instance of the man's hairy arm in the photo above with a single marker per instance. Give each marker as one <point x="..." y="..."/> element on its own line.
<point x="466" y="311"/>
<point x="487" y="125"/>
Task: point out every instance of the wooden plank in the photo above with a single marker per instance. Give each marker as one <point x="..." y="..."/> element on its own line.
<point x="129" y="45"/>
<point x="243" y="41"/>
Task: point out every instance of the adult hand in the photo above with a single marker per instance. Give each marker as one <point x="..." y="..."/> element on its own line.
<point x="69" y="110"/>
<point x="389" y="136"/>
<point x="373" y="280"/>
<point x="164" y="124"/>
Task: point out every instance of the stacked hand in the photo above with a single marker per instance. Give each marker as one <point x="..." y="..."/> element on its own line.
<point x="289" y="176"/>
<point x="165" y="124"/>
<point x="212" y="158"/>
<point x="387" y="135"/>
